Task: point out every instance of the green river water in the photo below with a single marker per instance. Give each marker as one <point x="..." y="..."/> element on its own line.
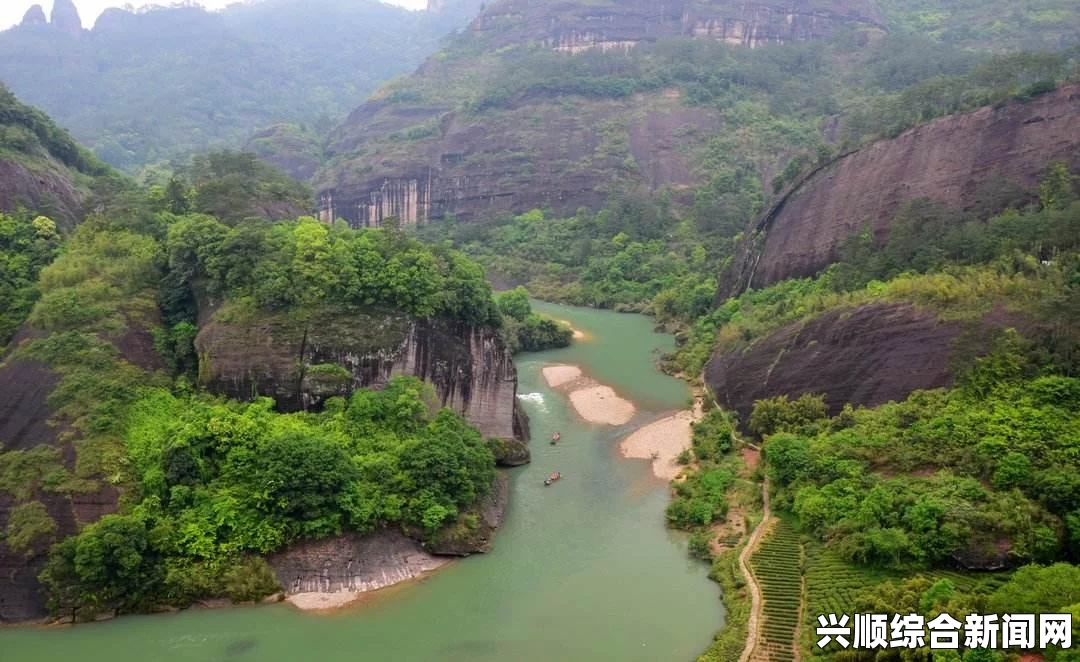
<point x="582" y="571"/>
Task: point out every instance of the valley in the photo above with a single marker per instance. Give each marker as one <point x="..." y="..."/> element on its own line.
<point x="605" y="329"/>
<point x="555" y="582"/>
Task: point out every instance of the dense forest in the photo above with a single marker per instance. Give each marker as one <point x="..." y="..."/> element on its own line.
<point x="145" y="87"/>
<point x="210" y="484"/>
<point x="892" y="504"/>
<point x="962" y="499"/>
<point x="662" y="253"/>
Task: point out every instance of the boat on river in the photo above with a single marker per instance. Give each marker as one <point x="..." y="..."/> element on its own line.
<point x="555" y="438"/>
<point x="552" y="478"/>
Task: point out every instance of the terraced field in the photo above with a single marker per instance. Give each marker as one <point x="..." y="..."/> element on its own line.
<point x="777" y="567"/>
<point x="833" y="584"/>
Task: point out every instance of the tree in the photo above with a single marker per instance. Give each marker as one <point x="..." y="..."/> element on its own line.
<point x="300" y="477"/>
<point x="108" y="566"/>
<point x="1056" y="190"/>
<point x="515" y="303"/>
<point x="783" y="415"/>
<point x="1039" y="589"/>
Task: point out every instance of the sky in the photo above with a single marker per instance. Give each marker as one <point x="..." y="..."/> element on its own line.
<point x="11" y="11"/>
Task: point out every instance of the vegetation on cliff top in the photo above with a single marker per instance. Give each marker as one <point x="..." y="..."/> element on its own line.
<point x="208" y="484"/>
<point x="660" y="252"/>
<point x="891" y="501"/>
<point x="213" y="481"/>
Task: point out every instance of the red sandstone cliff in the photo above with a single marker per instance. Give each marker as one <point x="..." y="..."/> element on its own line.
<point x="954" y="160"/>
<point x="865" y="356"/>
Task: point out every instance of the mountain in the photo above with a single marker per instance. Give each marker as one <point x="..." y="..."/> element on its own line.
<point x="985" y="160"/>
<point x="42" y="169"/>
<point x="142" y="87"/>
<point x="563" y="105"/>
<point x="544" y="104"/>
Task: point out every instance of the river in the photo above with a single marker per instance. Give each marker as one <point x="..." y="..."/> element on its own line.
<point x="582" y="571"/>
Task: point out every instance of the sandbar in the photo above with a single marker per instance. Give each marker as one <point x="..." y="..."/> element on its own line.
<point x="662" y="442"/>
<point x="558" y="376"/>
<point x="600" y="404"/>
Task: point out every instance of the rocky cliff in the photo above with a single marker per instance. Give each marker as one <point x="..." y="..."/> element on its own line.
<point x="548" y="153"/>
<point x="572" y="27"/>
<point x="46" y="187"/>
<point x="65" y="17"/>
<point x="48" y="473"/>
<point x="34" y="16"/>
<point x="420" y="150"/>
<point x="357" y="563"/>
<point x="277" y="356"/>
<point x="41" y="167"/>
<point x="865" y="356"/>
<point x="352" y="563"/>
<point x="962" y="161"/>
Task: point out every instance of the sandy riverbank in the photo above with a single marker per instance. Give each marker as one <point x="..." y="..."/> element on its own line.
<point x="593" y="402"/>
<point x="323" y="601"/>
<point x="662" y="442"/>
<point x="558" y="376"/>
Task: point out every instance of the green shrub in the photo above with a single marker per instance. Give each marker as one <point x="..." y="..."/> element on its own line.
<point x="28" y="524"/>
<point x="249" y="580"/>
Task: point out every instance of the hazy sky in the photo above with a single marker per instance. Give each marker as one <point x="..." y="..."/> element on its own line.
<point x="11" y="11"/>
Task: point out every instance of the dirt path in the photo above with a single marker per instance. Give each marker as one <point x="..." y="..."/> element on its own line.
<point x="755" y="590"/>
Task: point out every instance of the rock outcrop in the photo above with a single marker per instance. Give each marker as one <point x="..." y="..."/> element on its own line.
<point x="357" y="563"/>
<point x="65" y="17"/>
<point x="293" y="150"/>
<point x="865" y="356"/>
<point x="34" y="16"/>
<point x="541" y="154"/>
<point x="272" y="355"/>
<point x="47" y="189"/>
<point x="954" y="161"/>
<point x="573" y="27"/>
<point x="352" y="563"/>
<point x="420" y="156"/>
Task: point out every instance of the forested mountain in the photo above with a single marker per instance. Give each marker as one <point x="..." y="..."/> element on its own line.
<point x="556" y="105"/>
<point x="860" y="217"/>
<point x="141" y="87"/>
<point x="138" y="312"/>
<point x="898" y="182"/>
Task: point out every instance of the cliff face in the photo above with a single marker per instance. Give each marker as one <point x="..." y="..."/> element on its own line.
<point x="542" y="154"/>
<point x="48" y="189"/>
<point x="272" y="355"/>
<point x="65" y="17"/>
<point x="351" y="563"/>
<point x="570" y="26"/>
<point x="868" y="356"/>
<point x="422" y="155"/>
<point x="28" y="422"/>
<point x="959" y="161"/>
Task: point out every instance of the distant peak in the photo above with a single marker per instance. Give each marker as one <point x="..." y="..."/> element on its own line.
<point x="34" y="16"/>
<point x="65" y="17"/>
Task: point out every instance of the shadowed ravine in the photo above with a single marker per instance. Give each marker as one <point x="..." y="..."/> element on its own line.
<point x="583" y="570"/>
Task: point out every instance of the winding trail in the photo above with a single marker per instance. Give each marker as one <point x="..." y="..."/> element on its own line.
<point x="755" y="590"/>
